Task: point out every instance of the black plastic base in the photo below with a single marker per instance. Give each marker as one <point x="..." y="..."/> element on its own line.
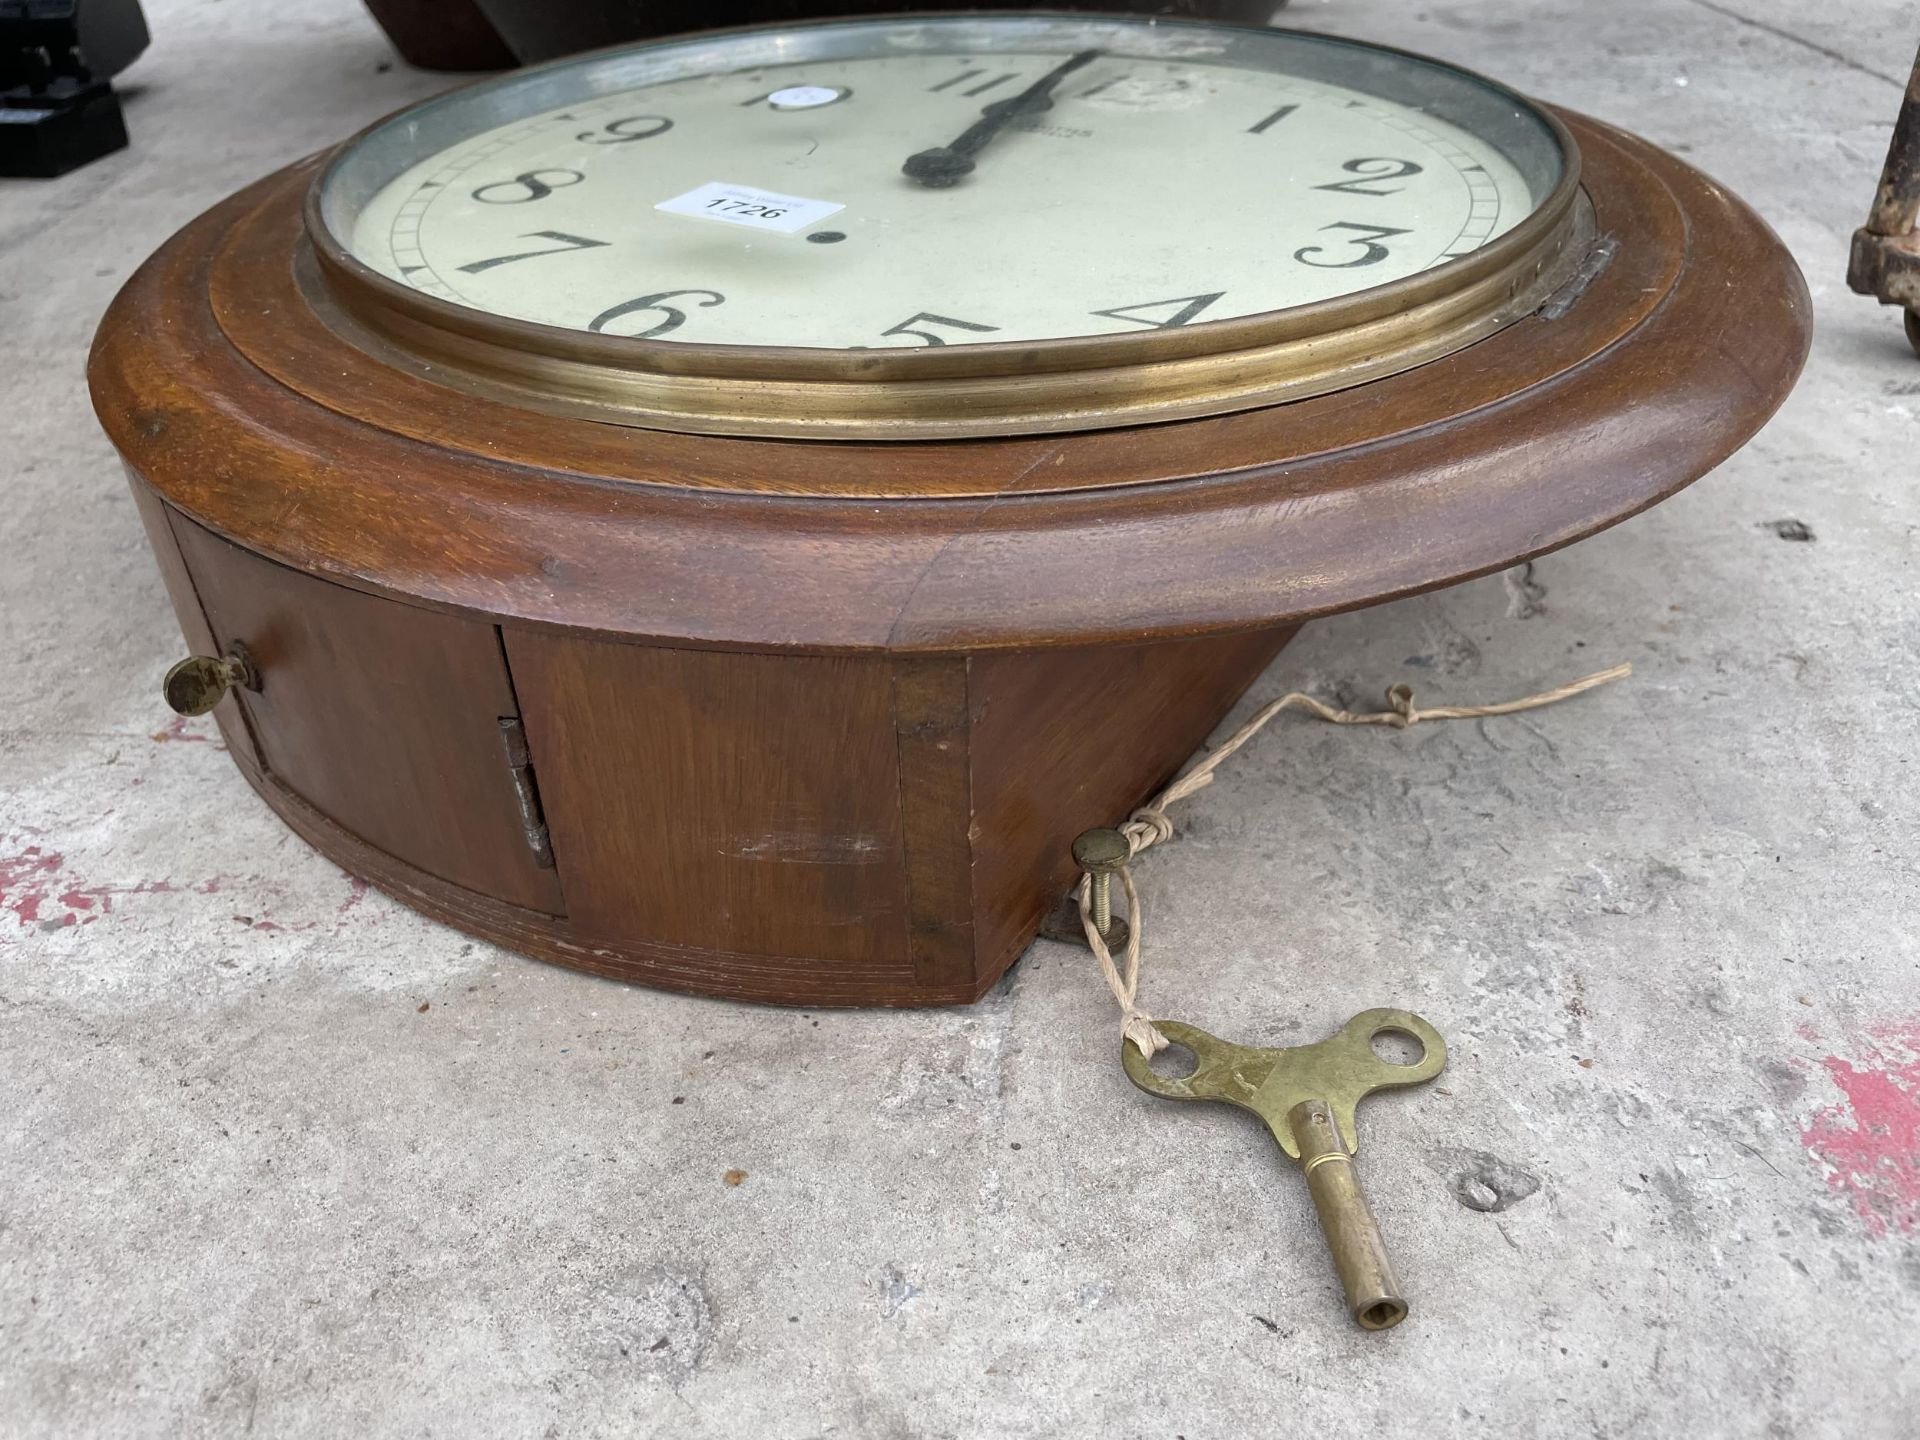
<point x="40" y="141"/>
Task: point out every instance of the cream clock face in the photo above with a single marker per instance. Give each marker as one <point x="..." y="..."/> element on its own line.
<point x="916" y="183"/>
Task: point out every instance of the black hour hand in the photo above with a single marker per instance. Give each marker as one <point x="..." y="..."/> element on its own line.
<point x="947" y="165"/>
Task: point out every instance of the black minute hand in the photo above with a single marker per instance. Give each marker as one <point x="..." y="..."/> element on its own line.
<point x="945" y="165"/>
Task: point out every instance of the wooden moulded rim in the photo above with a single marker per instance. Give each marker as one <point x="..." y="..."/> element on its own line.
<point x="1074" y="384"/>
<point x="223" y="392"/>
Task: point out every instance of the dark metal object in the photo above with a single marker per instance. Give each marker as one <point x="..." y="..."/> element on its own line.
<point x="947" y="165"/>
<point x="1886" y="250"/>
<point x="57" y="111"/>
<point x="526" y="796"/>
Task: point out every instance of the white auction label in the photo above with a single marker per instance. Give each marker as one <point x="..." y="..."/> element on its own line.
<point x="744" y="205"/>
<point x="804" y="97"/>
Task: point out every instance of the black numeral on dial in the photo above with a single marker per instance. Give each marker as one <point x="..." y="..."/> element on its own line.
<point x="567" y="242"/>
<point x="626" y="130"/>
<point x="1274" y="119"/>
<point x="526" y="186"/>
<point x="927" y="337"/>
<point x="1189" y="306"/>
<point x="1372" y="253"/>
<point x="965" y="75"/>
<point x="1373" y="171"/>
<point x="672" y="317"/>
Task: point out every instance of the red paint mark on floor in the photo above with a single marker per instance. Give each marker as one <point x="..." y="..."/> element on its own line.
<point x="1870" y="1140"/>
<point x="39" y="888"/>
<point x="25" y="879"/>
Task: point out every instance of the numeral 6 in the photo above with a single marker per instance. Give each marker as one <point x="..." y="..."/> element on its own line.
<point x="675" y="317"/>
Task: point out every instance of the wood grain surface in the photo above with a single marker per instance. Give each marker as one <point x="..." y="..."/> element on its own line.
<point x="385" y="717"/>
<point x="720" y="800"/>
<point x="817" y="722"/>
<point x="1064" y="740"/>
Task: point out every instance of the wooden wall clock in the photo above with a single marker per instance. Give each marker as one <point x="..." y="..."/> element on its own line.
<point x="726" y="513"/>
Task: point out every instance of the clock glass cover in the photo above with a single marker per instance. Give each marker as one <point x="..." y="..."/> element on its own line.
<point x="910" y="183"/>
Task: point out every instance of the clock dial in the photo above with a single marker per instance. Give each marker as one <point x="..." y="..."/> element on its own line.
<point x="915" y="183"/>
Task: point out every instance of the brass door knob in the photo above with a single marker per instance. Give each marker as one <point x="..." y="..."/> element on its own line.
<point x="197" y="683"/>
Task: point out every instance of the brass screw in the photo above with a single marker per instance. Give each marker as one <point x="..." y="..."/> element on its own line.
<point x="1101" y="852"/>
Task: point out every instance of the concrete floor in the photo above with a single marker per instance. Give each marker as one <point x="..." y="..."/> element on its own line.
<point x="276" y="1155"/>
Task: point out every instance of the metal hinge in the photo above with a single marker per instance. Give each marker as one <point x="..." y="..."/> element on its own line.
<point x="526" y="794"/>
<point x="1557" y="305"/>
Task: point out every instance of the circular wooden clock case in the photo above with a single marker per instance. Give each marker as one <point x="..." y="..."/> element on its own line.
<point x="790" y="672"/>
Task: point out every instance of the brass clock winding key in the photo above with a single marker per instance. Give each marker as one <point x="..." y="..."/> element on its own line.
<point x="1307" y="1096"/>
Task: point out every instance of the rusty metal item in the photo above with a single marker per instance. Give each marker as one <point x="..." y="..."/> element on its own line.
<point x="1307" y="1096"/>
<point x="526" y="793"/>
<point x="1886" y="250"/>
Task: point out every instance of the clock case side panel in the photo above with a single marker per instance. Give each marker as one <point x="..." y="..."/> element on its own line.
<point x="1065" y="740"/>
<point x="156" y="519"/>
<point x="726" y="821"/>
<point x="832" y="830"/>
<point x="385" y="717"/>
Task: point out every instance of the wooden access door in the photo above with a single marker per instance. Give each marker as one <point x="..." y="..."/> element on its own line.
<point x="724" y="816"/>
<point x="384" y="717"/>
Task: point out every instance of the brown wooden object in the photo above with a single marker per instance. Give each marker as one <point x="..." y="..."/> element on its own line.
<point x="817" y="721"/>
<point x="541" y="29"/>
<point x="442" y="34"/>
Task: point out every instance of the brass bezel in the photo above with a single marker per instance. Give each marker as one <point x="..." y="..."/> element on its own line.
<point x="997" y="388"/>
